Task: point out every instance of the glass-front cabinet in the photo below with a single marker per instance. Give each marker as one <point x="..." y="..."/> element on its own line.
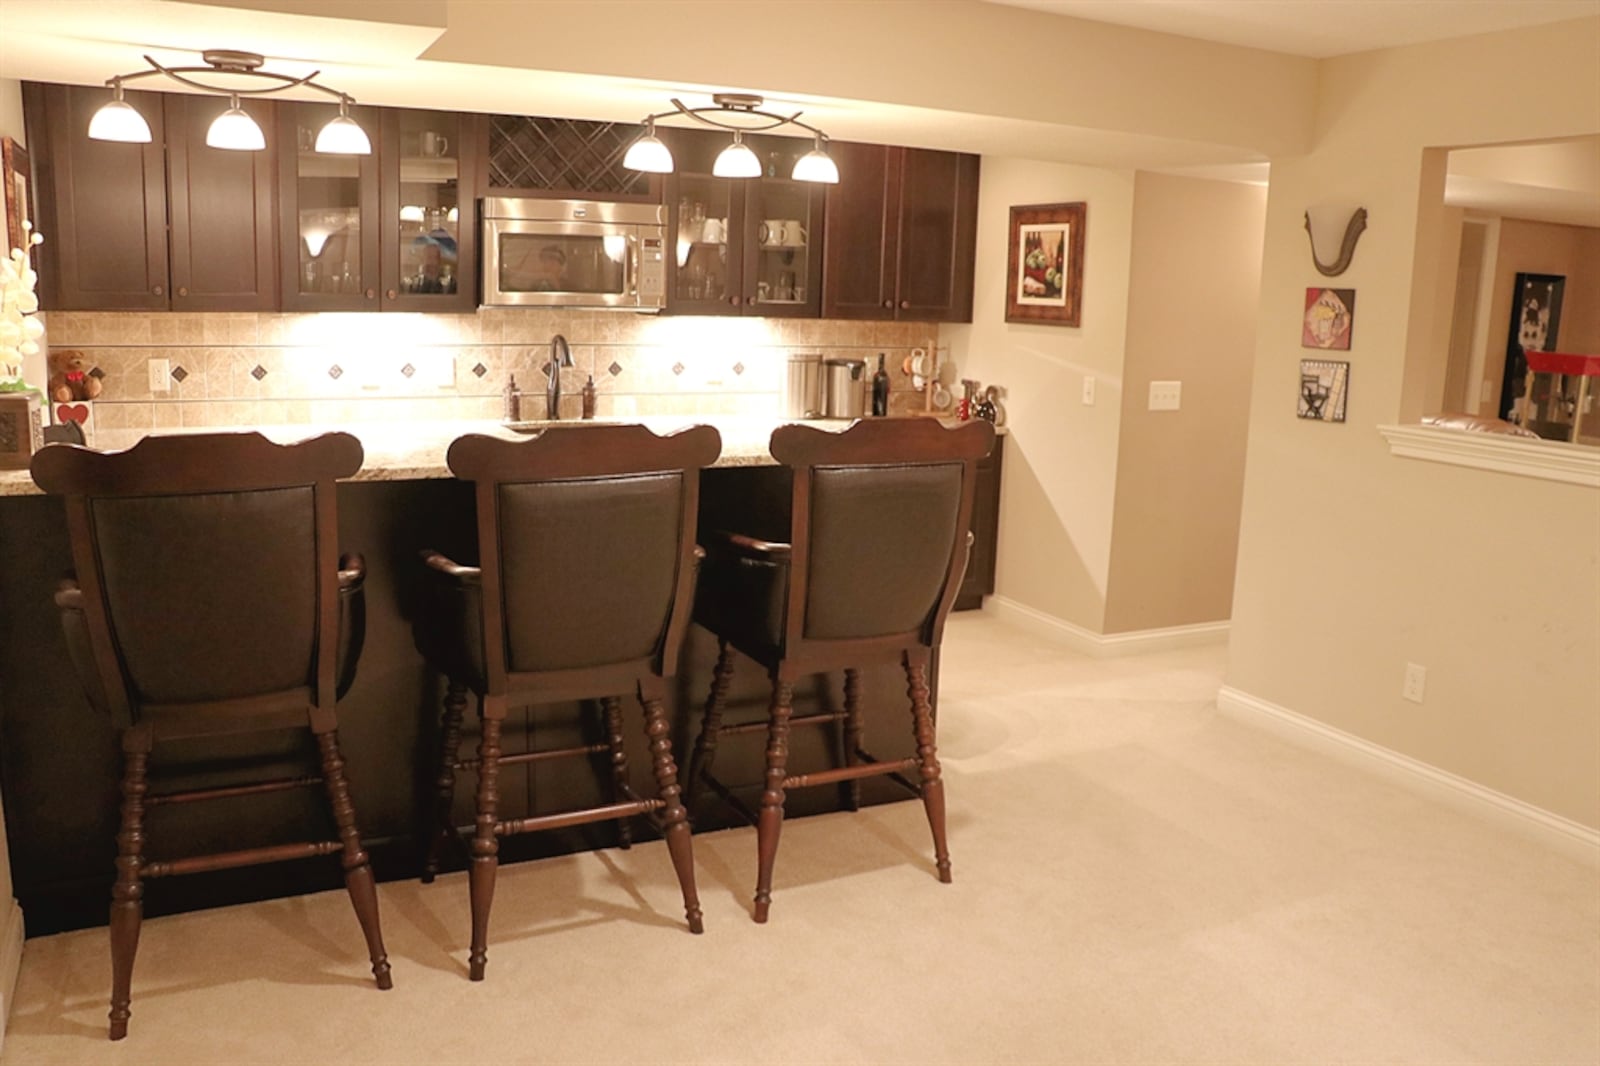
<point x="393" y="230"/>
<point x="742" y="245"/>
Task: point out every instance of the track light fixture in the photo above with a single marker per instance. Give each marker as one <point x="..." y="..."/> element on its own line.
<point x="233" y="129"/>
<point x="737" y="160"/>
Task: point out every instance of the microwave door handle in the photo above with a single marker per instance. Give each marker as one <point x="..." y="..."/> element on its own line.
<point x="633" y="266"/>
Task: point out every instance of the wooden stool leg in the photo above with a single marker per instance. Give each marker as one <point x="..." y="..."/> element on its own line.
<point x="705" y="748"/>
<point x="358" y="880"/>
<point x="674" y="818"/>
<point x="852" y="734"/>
<point x="127" y="894"/>
<point x="443" y="830"/>
<point x="619" y="766"/>
<point x="485" y="844"/>
<point x="770" y="822"/>
<point x="927" y="751"/>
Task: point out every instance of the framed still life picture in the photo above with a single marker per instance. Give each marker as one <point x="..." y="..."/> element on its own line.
<point x="15" y="168"/>
<point x="1044" y="264"/>
<point x="1324" y="387"/>
<point x="1330" y="315"/>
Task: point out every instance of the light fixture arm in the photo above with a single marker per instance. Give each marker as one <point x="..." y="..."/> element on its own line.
<point x="227" y="61"/>
<point x="740" y="104"/>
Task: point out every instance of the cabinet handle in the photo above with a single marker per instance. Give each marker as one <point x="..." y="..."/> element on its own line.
<point x="183" y="290"/>
<point x="372" y="294"/>
<point x="157" y="290"/>
<point x="391" y="294"/>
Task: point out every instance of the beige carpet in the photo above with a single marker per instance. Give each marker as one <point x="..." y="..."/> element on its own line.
<point x="1137" y="879"/>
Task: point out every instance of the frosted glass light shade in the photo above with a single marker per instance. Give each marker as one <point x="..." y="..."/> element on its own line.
<point x="649" y="155"/>
<point x="119" y="121"/>
<point x="816" y="165"/>
<point x="235" y="131"/>
<point x="343" y="136"/>
<point x="737" y="161"/>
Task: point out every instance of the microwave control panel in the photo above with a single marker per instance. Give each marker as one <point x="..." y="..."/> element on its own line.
<point x="652" y="271"/>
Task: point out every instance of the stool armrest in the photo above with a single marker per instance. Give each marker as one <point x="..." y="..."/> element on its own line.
<point x="352" y="571"/>
<point x="766" y="551"/>
<point x="443" y="564"/>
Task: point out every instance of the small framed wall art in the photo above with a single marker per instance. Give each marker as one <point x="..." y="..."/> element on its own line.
<point x="1330" y="315"/>
<point x="16" y="171"/>
<point x="1324" y="387"/>
<point x="1044" y="264"/>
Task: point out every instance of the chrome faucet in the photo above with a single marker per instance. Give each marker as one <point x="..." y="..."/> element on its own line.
<point x="560" y="356"/>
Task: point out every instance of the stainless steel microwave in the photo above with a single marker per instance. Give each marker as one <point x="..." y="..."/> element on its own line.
<point x="573" y="253"/>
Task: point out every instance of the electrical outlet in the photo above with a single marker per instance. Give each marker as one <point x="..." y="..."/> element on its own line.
<point x="160" y="375"/>
<point x="1088" y="391"/>
<point x="1416" y="682"/>
<point x="1165" y="395"/>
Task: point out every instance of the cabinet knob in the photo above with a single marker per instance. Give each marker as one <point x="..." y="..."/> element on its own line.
<point x="372" y="294"/>
<point x="734" y="300"/>
<point x="889" y="304"/>
<point x="905" y="305"/>
<point x="391" y="294"/>
<point x="183" y="290"/>
<point x="157" y="290"/>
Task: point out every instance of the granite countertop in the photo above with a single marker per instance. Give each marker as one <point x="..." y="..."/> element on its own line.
<point x="410" y="451"/>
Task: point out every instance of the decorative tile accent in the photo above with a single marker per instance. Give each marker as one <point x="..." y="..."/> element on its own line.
<point x="677" y="368"/>
<point x="408" y="370"/>
<point x="179" y="373"/>
<point x="738" y="368"/>
<point x="335" y="372"/>
<point x="259" y="372"/>
<point x="614" y="369"/>
<point x="479" y="370"/>
<point x="98" y="373"/>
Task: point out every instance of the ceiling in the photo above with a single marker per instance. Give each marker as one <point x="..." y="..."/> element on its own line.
<point x="1318" y="29"/>
<point x="84" y="41"/>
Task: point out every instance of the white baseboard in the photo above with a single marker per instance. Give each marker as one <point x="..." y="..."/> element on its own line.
<point x="1104" y="645"/>
<point x="10" y="960"/>
<point x="1572" y="838"/>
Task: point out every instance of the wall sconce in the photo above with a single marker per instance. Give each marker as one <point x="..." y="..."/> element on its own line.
<point x="737" y="160"/>
<point x="233" y="129"/>
<point x="1333" y="228"/>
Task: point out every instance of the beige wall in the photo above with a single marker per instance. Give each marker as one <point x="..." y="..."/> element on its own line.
<point x="1193" y="292"/>
<point x="1060" y="472"/>
<point x="1353" y="562"/>
<point x="1543" y="248"/>
<point x="10" y="126"/>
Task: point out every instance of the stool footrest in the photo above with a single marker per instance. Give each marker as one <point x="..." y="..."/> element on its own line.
<point x="536" y="756"/>
<point x="609" y="812"/>
<point x="227" y="860"/>
<point x="761" y="726"/>
<point x="195" y="796"/>
<point x="848" y="773"/>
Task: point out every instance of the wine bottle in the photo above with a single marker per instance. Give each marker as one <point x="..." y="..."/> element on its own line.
<point x="880" y="390"/>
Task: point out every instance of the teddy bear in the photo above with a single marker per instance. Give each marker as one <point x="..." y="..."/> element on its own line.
<point x="70" y="378"/>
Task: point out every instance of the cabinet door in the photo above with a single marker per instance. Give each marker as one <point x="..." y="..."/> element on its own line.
<point x="428" y="240"/>
<point x="783" y="235"/>
<point x="328" y="208"/>
<point x="979" y="578"/>
<point x="706" y="226"/>
<point x="103" y="204"/>
<point x="860" y="241"/>
<point x="224" y="218"/>
<point x="938" y="236"/>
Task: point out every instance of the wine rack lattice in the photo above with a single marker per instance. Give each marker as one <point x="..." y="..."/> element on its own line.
<point x="531" y="152"/>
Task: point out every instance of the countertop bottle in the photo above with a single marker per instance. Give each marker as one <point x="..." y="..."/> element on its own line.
<point x="588" y="397"/>
<point x="513" y="400"/>
<point x="880" y="390"/>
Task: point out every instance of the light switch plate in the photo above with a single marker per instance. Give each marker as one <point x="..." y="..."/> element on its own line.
<point x="160" y="375"/>
<point x="1088" y="391"/>
<point x="1165" y="395"/>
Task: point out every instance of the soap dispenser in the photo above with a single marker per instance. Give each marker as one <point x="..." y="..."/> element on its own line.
<point x="512" y="401"/>
<point x="588" y="398"/>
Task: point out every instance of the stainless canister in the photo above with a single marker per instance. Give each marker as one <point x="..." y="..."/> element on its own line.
<point x="844" y="388"/>
<point x="802" y="394"/>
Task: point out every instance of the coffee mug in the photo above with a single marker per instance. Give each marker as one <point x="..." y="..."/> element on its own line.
<point x="770" y="233"/>
<point x="715" y="231"/>
<point x="433" y="144"/>
<point x="794" y="235"/>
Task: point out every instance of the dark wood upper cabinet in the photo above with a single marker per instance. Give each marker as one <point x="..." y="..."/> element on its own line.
<point x="901" y="234"/>
<point x="102" y="205"/>
<point x="429" y="163"/>
<point x="172" y="224"/>
<point x="328" y="213"/>
<point x="223" y="238"/>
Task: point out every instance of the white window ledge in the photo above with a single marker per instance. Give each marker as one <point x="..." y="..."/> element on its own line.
<point x="1576" y="464"/>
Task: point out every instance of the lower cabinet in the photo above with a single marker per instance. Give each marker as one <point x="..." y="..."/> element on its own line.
<point x="979" y="581"/>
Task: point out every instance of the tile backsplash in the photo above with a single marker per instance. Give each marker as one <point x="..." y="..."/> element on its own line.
<point x="269" y="369"/>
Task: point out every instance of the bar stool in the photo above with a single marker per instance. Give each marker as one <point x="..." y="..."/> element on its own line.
<point x="586" y="542"/>
<point x="880" y="519"/>
<point x="209" y="600"/>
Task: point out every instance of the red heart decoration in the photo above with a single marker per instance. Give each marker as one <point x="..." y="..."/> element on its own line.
<point x="73" y="412"/>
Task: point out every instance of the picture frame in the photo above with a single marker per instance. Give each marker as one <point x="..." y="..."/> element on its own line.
<point x="1329" y="319"/>
<point x="1324" y="390"/>
<point x="17" y="173"/>
<point x="1535" y="324"/>
<point x="1044" y="264"/>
